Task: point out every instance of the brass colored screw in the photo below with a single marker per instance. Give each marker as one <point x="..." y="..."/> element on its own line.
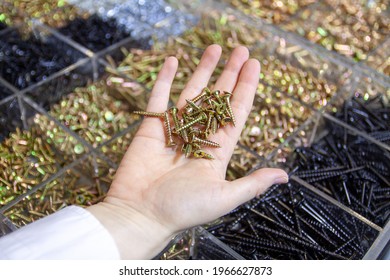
<point x="216" y="94"/>
<point x="174" y="111"/>
<point x="202" y="154"/>
<point x="205" y="92"/>
<point x="184" y="134"/>
<point x="209" y="122"/>
<point x="149" y="114"/>
<point x="192" y="105"/>
<point x="168" y="130"/>
<point x="205" y="142"/>
<point x="214" y="125"/>
<point x="274" y="12"/>
<point x="203" y="116"/>
<point x="229" y="107"/>
<point x="187" y="149"/>
<point x="348" y="27"/>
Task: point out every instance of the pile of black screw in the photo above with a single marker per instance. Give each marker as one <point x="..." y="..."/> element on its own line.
<point x="349" y="167"/>
<point x="207" y="250"/>
<point x="291" y="222"/>
<point x="96" y="34"/>
<point x="2" y="25"/>
<point x="24" y="62"/>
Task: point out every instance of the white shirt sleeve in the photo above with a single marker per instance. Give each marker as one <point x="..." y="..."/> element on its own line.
<point x="71" y="233"/>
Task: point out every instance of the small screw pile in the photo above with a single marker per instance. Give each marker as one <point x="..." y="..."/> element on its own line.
<point x="200" y="117"/>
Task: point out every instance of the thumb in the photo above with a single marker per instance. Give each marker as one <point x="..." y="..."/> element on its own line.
<point x="246" y="188"/>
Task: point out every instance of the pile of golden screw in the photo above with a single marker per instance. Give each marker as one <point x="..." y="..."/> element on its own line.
<point x="201" y="117"/>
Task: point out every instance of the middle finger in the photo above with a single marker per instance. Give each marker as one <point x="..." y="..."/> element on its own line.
<point x="202" y="74"/>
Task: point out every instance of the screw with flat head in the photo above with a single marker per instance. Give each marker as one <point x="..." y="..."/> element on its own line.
<point x="202" y="154"/>
<point x="227" y="96"/>
<point x="205" y="142"/>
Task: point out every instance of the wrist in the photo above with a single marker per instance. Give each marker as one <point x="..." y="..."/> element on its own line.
<point x="136" y="235"/>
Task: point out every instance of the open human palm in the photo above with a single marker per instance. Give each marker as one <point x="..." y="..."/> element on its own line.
<point x="157" y="192"/>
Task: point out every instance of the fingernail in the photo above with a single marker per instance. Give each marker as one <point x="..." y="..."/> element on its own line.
<point x="281" y="180"/>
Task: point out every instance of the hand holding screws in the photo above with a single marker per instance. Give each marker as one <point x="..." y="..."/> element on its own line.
<point x="194" y="123"/>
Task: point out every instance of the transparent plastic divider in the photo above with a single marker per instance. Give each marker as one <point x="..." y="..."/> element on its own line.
<point x="57" y="86"/>
<point x="197" y="244"/>
<point x="210" y="243"/>
<point x="241" y="162"/>
<point x="6" y="86"/>
<point x="299" y="138"/>
<point x="379" y="58"/>
<point x="6" y="226"/>
<point x="78" y="144"/>
<point x="180" y="247"/>
<point x="170" y="246"/>
<point x="380" y="248"/>
<point x="114" y="54"/>
<point x="10" y="114"/>
<point x="135" y="92"/>
<point x="6" y="93"/>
